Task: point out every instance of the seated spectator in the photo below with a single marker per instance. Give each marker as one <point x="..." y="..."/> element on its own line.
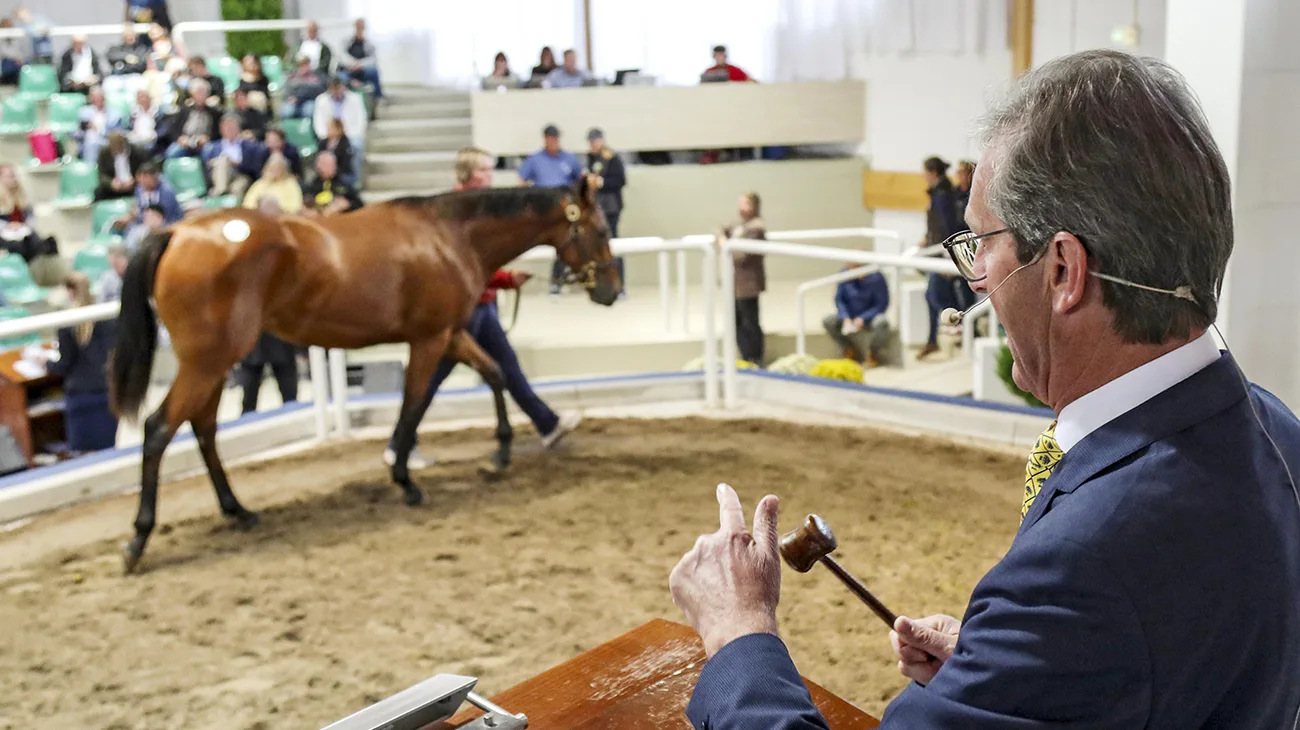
<point x="152" y="220"/>
<point x="751" y="278"/>
<point x="96" y="121"/>
<point x="545" y="65"/>
<point x="336" y="143"/>
<point x="251" y="119"/>
<point x="348" y="108"/>
<point x="859" y="325"/>
<point x="149" y="11"/>
<point x="194" y="126"/>
<point x="196" y="69"/>
<point x="316" y="51"/>
<point x="129" y="57"/>
<point x="275" y="143"/>
<point x="37" y="27"/>
<point x="500" y="75"/>
<point x="253" y="82"/>
<point x="301" y="89"/>
<point x="17" y="234"/>
<point x="551" y="167"/>
<point x="169" y="56"/>
<point x="12" y="55"/>
<point x="721" y="70"/>
<point x="232" y="160"/>
<point x="118" y="163"/>
<point x="360" y="64"/>
<point x="276" y="184"/>
<point x="84" y="350"/>
<point x="110" y="282"/>
<point x="568" y="75"/>
<point x="142" y="127"/>
<point x="326" y="194"/>
<point x="80" y="67"/>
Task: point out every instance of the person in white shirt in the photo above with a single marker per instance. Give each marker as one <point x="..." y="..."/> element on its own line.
<point x="97" y="120"/>
<point x="315" y="50"/>
<point x="109" y="285"/>
<point x="143" y="126"/>
<point x="568" y="75"/>
<point x="338" y="103"/>
<point x="79" y="69"/>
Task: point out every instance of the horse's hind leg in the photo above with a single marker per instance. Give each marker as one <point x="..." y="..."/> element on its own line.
<point x="420" y="367"/>
<point x="205" y="433"/>
<point x="464" y="349"/>
<point x="186" y="398"/>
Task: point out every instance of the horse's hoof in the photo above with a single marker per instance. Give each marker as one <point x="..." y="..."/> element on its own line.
<point x="131" y="555"/>
<point x="244" y="521"/>
<point x="491" y="472"/>
<point x="414" y="496"/>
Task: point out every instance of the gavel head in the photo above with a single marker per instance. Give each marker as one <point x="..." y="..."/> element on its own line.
<point x="802" y="548"/>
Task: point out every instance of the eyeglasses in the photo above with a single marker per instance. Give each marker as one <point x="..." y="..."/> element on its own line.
<point x="963" y="246"/>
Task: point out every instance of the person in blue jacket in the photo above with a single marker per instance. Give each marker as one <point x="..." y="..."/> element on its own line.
<point x="859" y="325"/>
<point x="1154" y="582"/>
<point x="551" y="167"/>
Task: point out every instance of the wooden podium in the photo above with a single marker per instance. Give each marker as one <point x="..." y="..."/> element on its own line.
<point x="33" y="425"/>
<point x="642" y="679"/>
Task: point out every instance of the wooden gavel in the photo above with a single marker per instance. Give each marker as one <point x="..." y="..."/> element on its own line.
<point x="814" y="542"/>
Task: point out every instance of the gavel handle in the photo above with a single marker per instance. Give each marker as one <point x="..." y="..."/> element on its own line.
<point x="861" y="591"/>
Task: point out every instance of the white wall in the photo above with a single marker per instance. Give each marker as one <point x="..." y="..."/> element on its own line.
<point x="1062" y="27"/>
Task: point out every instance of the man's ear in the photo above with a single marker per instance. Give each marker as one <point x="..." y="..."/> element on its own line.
<point x="1068" y="261"/>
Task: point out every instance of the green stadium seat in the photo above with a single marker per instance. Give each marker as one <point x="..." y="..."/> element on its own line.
<point x="8" y="314"/>
<point x="92" y="261"/>
<point x="222" y="201"/>
<point x="122" y="103"/>
<point x="38" y="81"/>
<point x="102" y="215"/>
<point x="64" y="113"/>
<point x="16" y="281"/>
<point x="299" y="132"/>
<point x="77" y="183"/>
<point x="227" y="69"/>
<point x="185" y="175"/>
<point x="273" y="67"/>
<point x="17" y="115"/>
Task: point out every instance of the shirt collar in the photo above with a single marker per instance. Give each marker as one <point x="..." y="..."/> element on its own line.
<point x="1130" y="390"/>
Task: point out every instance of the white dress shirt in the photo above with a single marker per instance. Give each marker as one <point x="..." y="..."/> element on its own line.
<point x="83" y="68"/>
<point x="1132" y="389"/>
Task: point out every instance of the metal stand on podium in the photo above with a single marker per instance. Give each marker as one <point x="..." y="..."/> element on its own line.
<point x="434" y="700"/>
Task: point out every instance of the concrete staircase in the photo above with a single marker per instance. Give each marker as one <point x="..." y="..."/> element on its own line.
<point x="411" y="147"/>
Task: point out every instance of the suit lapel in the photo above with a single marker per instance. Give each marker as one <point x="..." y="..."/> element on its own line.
<point x="1210" y="391"/>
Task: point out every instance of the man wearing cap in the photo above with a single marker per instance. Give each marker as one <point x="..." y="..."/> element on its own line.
<point x="606" y="170"/>
<point x="551" y="167"/>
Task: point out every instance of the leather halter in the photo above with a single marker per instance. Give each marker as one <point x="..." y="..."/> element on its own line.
<point x="586" y="277"/>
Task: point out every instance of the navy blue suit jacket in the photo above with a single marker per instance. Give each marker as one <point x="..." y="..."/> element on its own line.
<point x="867" y="297"/>
<point x="1155" y="583"/>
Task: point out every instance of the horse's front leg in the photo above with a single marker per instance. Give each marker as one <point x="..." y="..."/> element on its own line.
<point x="465" y="350"/>
<point x="423" y="363"/>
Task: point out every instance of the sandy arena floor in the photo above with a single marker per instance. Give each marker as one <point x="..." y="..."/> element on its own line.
<point x="344" y="595"/>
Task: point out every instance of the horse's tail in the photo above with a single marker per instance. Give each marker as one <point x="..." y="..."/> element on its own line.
<point x="131" y="362"/>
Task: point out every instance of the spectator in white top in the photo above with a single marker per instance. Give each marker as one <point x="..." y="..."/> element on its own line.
<point x="96" y="121"/>
<point x="80" y="67"/>
<point x="110" y="282"/>
<point x="338" y="103"/>
<point x="315" y="50"/>
<point x="142" y="128"/>
<point x="360" y="65"/>
<point x="568" y="75"/>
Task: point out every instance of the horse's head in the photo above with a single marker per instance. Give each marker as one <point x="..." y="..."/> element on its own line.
<point x="586" y="250"/>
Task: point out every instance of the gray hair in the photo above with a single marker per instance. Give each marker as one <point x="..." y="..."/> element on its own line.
<point x="1116" y="150"/>
<point x="196" y="84"/>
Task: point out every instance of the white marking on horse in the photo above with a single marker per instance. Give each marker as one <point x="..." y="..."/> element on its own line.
<point x="236" y="231"/>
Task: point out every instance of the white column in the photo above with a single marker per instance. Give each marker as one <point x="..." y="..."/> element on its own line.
<point x="1241" y="59"/>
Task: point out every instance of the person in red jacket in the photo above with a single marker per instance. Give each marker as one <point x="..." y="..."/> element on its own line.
<point x="474" y="170"/>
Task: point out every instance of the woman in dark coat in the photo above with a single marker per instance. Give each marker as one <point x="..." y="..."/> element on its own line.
<point x="82" y="363"/>
<point x="940" y="222"/>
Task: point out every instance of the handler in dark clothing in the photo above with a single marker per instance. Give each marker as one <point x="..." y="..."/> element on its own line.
<point x="282" y="357"/>
<point x="606" y="167"/>
<point x="83" y="363"/>
<point x="941" y="222"/>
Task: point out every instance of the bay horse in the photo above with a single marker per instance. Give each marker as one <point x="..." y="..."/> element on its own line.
<point x="407" y="270"/>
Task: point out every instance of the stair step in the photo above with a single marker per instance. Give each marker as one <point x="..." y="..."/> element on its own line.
<point x="418" y="143"/>
<point x="402" y="94"/>
<point x="370" y="197"/>
<point x="385" y="125"/>
<point x="426" y="110"/>
<point x="379" y="163"/>
<point x="435" y="179"/>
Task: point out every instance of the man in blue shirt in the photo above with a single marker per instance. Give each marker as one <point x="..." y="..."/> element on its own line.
<point x="551" y="167"/>
<point x="859" y="324"/>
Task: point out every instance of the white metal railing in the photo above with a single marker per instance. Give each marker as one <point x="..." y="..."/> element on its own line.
<point x="63" y="31"/>
<point x="824" y="253"/>
<point x="214" y="26"/>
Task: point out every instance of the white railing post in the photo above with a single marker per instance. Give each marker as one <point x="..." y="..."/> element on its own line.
<point x="681" y="292"/>
<point x="320" y="390"/>
<point x="338" y="367"/>
<point x="665" y="298"/>
<point x="709" y="280"/>
<point x="728" y="272"/>
<point x="199" y="26"/>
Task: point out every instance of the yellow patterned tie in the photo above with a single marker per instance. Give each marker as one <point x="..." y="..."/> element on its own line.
<point x="1044" y="458"/>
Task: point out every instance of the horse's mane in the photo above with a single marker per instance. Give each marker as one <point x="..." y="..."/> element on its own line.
<point x="487" y="202"/>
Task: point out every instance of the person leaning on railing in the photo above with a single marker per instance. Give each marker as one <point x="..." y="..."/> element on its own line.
<point x="751" y="278"/>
